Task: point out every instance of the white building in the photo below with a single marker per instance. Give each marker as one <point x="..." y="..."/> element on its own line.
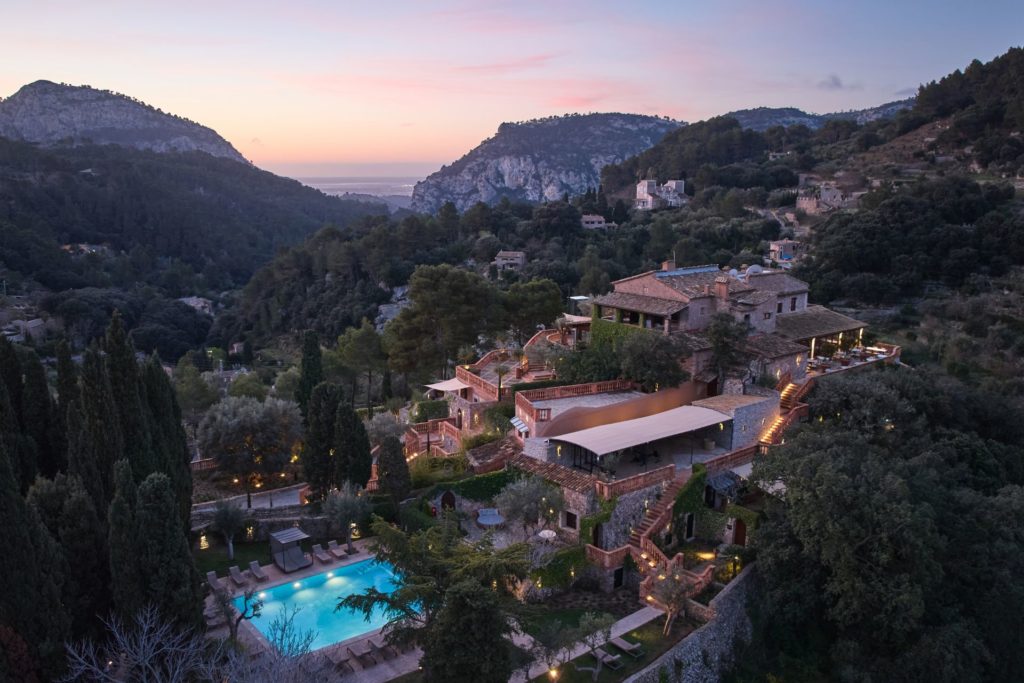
<point x="593" y="221"/>
<point x="649" y="195"/>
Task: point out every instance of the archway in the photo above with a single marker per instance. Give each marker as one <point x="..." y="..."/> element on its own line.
<point x="448" y="501"/>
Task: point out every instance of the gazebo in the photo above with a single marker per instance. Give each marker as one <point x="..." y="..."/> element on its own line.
<point x="286" y="551"/>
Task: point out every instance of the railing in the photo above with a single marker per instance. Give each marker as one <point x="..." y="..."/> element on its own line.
<point x="607" y="559"/>
<point x="783" y="382"/>
<point x="609" y="490"/>
<point x="478" y="383"/>
<point x="450" y="431"/>
<point x="203" y="465"/>
<point x="574" y="390"/>
<point x="743" y="456"/>
<point x="543" y="334"/>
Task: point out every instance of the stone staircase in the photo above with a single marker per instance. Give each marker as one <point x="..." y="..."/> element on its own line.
<point x="787" y="397"/>
<point x="655" y="517"/>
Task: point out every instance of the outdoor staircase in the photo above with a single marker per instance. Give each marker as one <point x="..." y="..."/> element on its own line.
<point x="774" y="431"/>
<point x="787" y="398"/>
<point x="655" y="514"/>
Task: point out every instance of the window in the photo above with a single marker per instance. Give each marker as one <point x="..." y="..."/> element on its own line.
<point x="767" y="315"/>
<point x="570" y="520"/>
<point x="792" y="304"/>
<point x="543" y="414"/>
<point x="778" y="309"/>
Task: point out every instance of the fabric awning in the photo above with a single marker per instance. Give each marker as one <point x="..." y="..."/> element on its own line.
<point x="620" y="435"/>
<point x="519" y="425"/>
<point x="448" y="385"/>
<point x="289" y="535"/>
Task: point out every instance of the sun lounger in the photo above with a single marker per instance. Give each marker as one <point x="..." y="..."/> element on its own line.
<point x="334" y="549"/>
<point x="385" y="651"/>
<point x="611" y="661"/>
<point x="236" y="575"/>
<point x="257" y="572"/>
<point x="321" y="554"/>
<point x="363" y="654"/>
<point x="631" y="649"/>
<point x="211" y="578"/>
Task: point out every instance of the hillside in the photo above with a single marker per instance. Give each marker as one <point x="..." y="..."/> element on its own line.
<point x="540" y="160"/>
<point x="209" y="215"/>
<point x="49" y="114"/>
<point x="763" y="118"/>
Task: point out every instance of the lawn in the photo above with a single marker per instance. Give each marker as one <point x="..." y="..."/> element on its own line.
<point x="569" y="617"/>
<point x="215" y="558"/>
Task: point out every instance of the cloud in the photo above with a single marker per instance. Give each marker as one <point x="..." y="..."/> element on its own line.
<point x="834" y="82"/>
<point x="256" y="142"/>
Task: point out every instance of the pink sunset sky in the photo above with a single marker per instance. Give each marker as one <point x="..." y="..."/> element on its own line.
<point x="322" y="88"/>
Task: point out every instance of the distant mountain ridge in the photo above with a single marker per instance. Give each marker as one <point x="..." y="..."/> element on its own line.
<point x="49" y="114"/>
<point x="541" y="159"/>
<point x="763" y="118"/>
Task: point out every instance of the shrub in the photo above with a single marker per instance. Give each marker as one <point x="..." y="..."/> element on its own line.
<point x="430" y="410"/>
<point x="483" y="487"/>
<point x="477" y="440"/>
<point x="426" y="470"/>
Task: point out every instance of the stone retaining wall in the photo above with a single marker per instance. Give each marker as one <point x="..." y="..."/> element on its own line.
<point x="704" y="655"/>
<point x="266" y="520"/>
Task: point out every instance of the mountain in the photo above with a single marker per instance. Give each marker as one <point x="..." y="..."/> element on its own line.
<point x="50" y="114"/>
<point x="540" y="159"/>
<point x="763" y="118"/>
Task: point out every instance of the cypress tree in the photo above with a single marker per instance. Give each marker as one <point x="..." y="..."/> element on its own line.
<point x="39" y="417"/>
<point x="68" y="513"/>
<point x="352" y="460"/>
<point x="101" y="426"/>
<point x="33" y="572"/>
<point x="168" y="577"/>
<point x="393" y="470"/>
<point x="82" y="460"/>
<point x="170" y="444"/>
<point x="20" y="448"/>
<point x="67" y="377"/>
<point x="127" y="392"/>
<point x="318" y="463"/>
<point x="125" y="579"/>
<point x="311" y="370"/>
<point x="11" y="374"/>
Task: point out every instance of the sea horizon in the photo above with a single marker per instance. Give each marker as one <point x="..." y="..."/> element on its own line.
<point x="379" y="186"/>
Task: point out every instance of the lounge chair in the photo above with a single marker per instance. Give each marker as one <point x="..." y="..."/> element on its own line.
<point x="334" y="549"/>
<point x="211" y="578"/>
<point x="257" y="572"/>
<point x="322" y="554"/>
<point x="611" y="661"/>
<point x="385" y="651"/>
<point x="632" y="649"/>
<point x="363" y="654"/>
<point x="236" y="576"/>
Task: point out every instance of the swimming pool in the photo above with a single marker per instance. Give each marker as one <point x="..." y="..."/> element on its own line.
<point x="316" y="596"/>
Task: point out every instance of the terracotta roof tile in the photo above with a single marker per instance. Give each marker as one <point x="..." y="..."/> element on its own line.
<point x="574" y="480"/>
<point x="640" y="303"/>
<point x="814" y="321"/>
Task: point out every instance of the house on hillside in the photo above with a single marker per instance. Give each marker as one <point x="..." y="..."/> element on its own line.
<point x="509" y="260"/>
<point x="786" y="251"/>
<point x="593" y="221"/>
<point x="650" y="195"/>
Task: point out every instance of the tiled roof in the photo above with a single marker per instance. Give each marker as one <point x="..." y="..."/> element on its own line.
<point x="574" y="480"/>
<point x="773" y="346"/>
<point x="780" y="283"/>
<point x="640" y="303"/>
<point x="692" y="341"/>
<point x="755" y="298"/>
<point x="814" y="321"/>
<point x="693" y="284"/>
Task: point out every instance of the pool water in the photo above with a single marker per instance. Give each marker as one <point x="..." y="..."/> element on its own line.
<point x="316" y="596"/>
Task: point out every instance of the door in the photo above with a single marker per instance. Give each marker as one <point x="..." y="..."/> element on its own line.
<point x="596" y="536"/>
<point x="690" y="518"/>
<point x="448" y="501"/>
<point x="739" y="532"/>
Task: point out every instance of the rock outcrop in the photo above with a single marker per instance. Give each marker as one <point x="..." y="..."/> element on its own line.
<point x="540" y="160"/>
<point x="50" y="114"/>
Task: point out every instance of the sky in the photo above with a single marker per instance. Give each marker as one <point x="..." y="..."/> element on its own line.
<point x="307" y="87"/>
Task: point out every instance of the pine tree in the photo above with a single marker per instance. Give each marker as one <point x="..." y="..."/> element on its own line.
<point x="125" y="578"/>
<point x="168" y="577"/>
<point x="68" y="513"/>
<point x="170" y="444"/>
<point x="393" y="470"/>
<point x="100" y="436"/>
<point x="127" y="392"/>
<point x="33" y="572"/>
<point x="352" y="460"/>
<point x="311" y="370"/>
<point x="40" y="420"/>
<point x="319" y="446"/>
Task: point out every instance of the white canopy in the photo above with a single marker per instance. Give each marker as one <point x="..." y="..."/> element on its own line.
<point x="620" y="435"/>
<point x="448" y="385"/>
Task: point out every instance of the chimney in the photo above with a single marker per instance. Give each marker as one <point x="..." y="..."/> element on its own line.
<point x="722" y="287"/>
<point x="670" y="264"/>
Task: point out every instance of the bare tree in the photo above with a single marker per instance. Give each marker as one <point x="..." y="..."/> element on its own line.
<point x="251" y="607"/>
<point x="594" y="631"/>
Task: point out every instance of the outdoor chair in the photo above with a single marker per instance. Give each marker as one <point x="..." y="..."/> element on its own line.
<point x="611" y="661"/>
<point x="363" y="654"/>
<point x="334" y="549"/>
<point x="385" y="651"/>
<point x="257" y="572"/>
<point x="211" y="578"/>
<point x="632" y="649"/>
<point x="236" y="576"/>
<point x="322" y="554"/>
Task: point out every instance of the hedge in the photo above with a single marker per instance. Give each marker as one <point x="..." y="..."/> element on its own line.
<point x="430" y="410"/>
<point x="480" y="488"/>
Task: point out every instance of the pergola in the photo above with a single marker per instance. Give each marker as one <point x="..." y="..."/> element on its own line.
<point x="286" y="551"/>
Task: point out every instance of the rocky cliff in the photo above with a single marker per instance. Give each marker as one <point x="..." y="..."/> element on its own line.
<point x="48" y="114"/>
<point x="763" y="118"/>
<point x="540" y="160"/>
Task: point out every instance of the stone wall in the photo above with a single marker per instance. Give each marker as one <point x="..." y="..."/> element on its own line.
<point x="266" y="520"/>
<point x="750" y="422"/>
<point x="707" y="653"/>
<point x="629" y="512"/>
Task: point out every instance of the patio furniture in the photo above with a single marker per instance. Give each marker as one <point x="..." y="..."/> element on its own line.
<point x="322" y="554"/>
<point x="547" y="535"/>
<point x="363" y="654"/>
<point x="334" y="549"/>
<point x="236" y="576"/>
<point x="385" y="651"/>
<point x="611" y="661"/>
<point x="489" y="518"/>
<point x="211" y="578"/>
<point x="257" y="572"/>
<point x="286" y="551"/>
<point x="632" y="649"/>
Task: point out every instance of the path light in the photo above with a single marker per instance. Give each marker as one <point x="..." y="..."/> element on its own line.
<point x="297" y="584"/>
<point x="204" y="543"/>
<point x="250" y="533"/>
<point x="235" y="480"/>
<point x="330" y="575"/>
<point x="553" y="673"/>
